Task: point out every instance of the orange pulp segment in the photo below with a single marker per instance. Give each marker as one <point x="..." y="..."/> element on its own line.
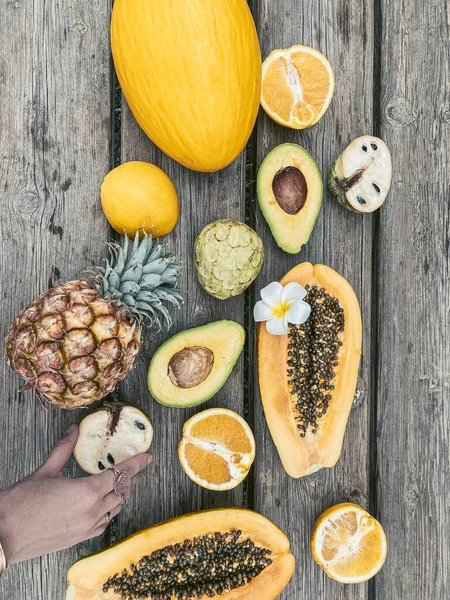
<point x="348" y="543"/>
<point x="217" y="449"/>
<point x="297" y="86"/>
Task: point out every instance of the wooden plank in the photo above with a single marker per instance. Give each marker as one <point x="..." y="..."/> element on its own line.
<point x="413" y="313"/>
<point x="164" y="490"/>
<point x="54" y="140"/>
<point x="342" y="240"/>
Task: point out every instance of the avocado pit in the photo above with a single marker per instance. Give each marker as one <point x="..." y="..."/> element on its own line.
<point x="290" y="189"/>
<point x="190" y="367"/>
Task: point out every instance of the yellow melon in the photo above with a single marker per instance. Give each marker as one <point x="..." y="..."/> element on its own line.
<point x="191" y="74"/>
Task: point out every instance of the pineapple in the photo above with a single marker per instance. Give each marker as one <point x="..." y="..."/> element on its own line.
<point x="76" y="341"/>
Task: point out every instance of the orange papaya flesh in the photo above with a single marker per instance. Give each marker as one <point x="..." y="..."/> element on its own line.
<point x="240" y="535"/>
<point x="303" y="455"/>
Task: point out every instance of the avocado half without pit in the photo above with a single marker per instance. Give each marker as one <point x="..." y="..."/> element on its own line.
<point x="110" y="435"/>
<point x="290" y="191"/>
<point x="194" y="364"/>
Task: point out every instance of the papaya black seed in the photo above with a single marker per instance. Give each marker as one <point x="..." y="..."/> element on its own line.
<point x="101" y="466"/>
<point x="374" y="146"/>
<point x="316" y="343"/>
<point x="193" y="569"/>
<point x="377" y="189"/>
<point x="139" y="425"/>
<point x="364" y="148"/>
<point x="361" y="200"/>
<point x="110" y="459"/>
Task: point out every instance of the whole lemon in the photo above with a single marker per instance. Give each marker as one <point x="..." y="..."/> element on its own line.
<point x="140" y="196"/>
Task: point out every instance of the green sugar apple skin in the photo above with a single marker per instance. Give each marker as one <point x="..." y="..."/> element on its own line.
<point x="228" y="256"/>
<point x="361" y="177"/>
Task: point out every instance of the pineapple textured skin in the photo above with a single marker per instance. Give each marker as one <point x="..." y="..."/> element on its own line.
<point x="73" y="345"/>
<point x="76" y="342"/>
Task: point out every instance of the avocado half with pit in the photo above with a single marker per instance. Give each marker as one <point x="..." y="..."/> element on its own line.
<point x="290" y="192"/>
<point x="194" y="364"/>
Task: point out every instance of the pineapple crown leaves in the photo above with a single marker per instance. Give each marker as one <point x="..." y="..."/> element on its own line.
<point x="141" y="278"/>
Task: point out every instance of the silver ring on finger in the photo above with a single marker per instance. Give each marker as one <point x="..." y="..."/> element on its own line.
<point x="123" y="481"/>
<point x="107" y="518"/>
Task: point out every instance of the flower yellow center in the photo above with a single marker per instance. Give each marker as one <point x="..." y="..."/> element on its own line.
<point x="280" y="309"/>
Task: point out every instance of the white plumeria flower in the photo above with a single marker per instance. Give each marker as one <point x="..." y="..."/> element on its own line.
<point x="280" y="306"/>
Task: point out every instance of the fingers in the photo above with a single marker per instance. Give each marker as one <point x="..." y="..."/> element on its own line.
<point x="100" y="502"/>
<point x="95" y="532"/>
<point x="132" y="466"/>
<point x="135" y="465"/>
<point x="61" y="452"/>
<point x="110" y="502"/>
<point x="112" y="513"/>
<point x="113" y="503"/>
<point x="109" y="498"/>
<point x="133" y="483"/>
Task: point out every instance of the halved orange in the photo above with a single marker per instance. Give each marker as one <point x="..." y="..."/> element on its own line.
<point x="297" y="86"/>
<point x="348" y="543"/>
<point x="217" y="449"/>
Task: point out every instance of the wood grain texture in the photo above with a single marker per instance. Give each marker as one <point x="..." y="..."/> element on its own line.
<point x="54" y="151"/>
<point x="342" y="240"/>
<point x="55" y="82"/>
<point x="164" y="490"/>
<point x="413" y="428"/>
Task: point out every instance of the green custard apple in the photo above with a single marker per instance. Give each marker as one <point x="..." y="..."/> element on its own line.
<point x="228" y="256"/>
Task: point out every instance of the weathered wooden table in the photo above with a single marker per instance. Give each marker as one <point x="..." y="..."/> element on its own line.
<point x="62" y="129"/>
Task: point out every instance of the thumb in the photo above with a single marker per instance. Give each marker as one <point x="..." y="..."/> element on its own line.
<point x="61" y="452"/>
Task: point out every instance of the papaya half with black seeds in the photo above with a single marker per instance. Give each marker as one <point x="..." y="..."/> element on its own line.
<point x="232" y="552"/>
<point x="308" y="377"/>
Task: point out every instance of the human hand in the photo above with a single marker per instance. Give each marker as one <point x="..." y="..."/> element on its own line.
<point x="46" y="511"/>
